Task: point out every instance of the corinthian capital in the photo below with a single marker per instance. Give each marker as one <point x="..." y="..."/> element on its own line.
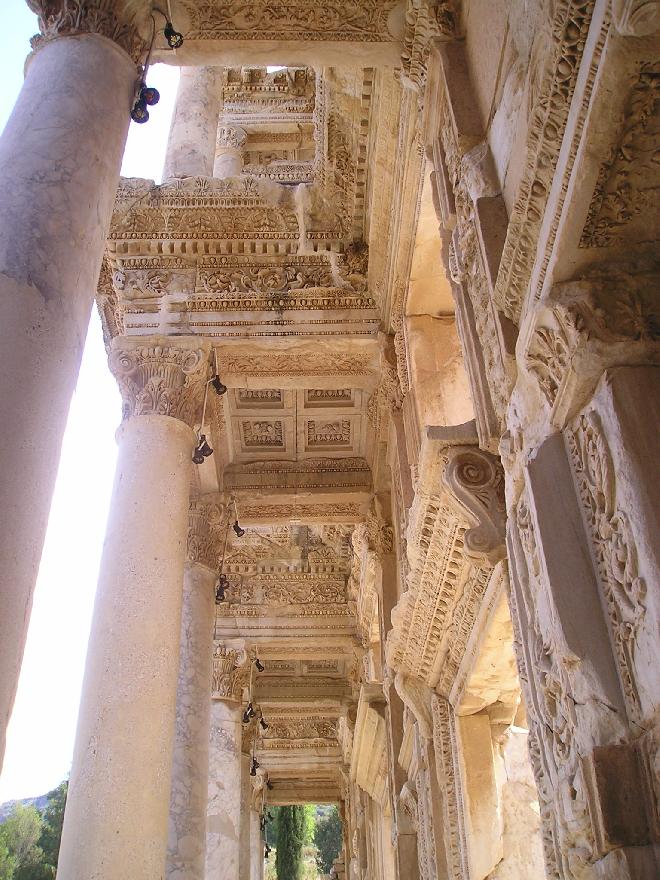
<point x="160" y="375"/>
<point x="205" y="533"/>
<point x="230" y="671"/>
<point x="118" y="20"/>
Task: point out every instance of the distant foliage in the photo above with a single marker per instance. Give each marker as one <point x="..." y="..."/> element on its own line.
<point x="30" y="841"/>
<point x="291" y="827"/>
<point x="327" y="838"/>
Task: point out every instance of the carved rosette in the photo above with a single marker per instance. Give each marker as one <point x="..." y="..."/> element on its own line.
<point x="230" y="672"/>
<point x="114" y="19"/>
<point x="160" y="376"/>
<point x="205" y="533"/>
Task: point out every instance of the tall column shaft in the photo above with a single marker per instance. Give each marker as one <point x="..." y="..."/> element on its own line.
<point x="187" y="834"/>
<point x="191" y="144"/>
<point x="116" y="817"/>
<point x="60" y="155"/>
<point x="224" y="793"/>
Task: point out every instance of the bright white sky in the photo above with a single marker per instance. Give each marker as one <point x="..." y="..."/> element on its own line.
<point x="42" y="727"/>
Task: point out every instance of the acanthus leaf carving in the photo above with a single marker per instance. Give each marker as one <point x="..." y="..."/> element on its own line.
<point x="230" y="671"/>
<point x="206" y="522"/>
<point x="108" y="18"/>
<point x="160" y="376"/>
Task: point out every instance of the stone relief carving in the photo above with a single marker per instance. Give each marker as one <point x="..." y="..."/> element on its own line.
<point x="160" y="377"/>
<point x="360" y="20"/>
<point x="627" y="184"/>
<point x="613" y="543"/>
<point x="231" y="136"/>
<point x="206" y="523"/>
<point x="448" y="773"/>
<point x="230" y="672"/>
<point x="426" y="20"/>
<point x="549" y="115"/>
<point x="117" y="21"/>
<point x="586" y="326"/>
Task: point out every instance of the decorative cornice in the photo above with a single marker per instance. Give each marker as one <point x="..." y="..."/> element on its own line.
<point x="118" y="21"/>
<point x="160" y="375"/>
<point x="426" y="20"/>
<point x="205" y="532"/>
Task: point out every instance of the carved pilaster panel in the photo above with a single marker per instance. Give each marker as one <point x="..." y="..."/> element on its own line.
<point x="160" y="375"/>
<point x="449" y="780"/>
<point x="118" y="20"/>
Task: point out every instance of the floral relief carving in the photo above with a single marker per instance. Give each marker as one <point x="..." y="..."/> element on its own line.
<point x="230" y="672"/>
<point x="612" y="540"/>
<point x="109" y="18"/>
<point x="549" y="115"/>
<point x="360" y="20"/>
<point x="160" y="378"/>
<point x="627" y="184"/>
<point x="205" y="532"/>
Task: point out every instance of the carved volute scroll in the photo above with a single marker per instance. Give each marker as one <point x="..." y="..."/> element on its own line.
<point x="230" y="672"/>
<point x="118" y="20"/>
<point x="206" y="526"/>
<point x="477" y="481"/>
<point x="160" y="376"/>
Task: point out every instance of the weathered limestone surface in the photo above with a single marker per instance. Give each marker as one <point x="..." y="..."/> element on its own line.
<point x="223" y="823"/>
<point x="403" y="274"/>
<point x="60" y="155"/>
<point x="190" y="767"/>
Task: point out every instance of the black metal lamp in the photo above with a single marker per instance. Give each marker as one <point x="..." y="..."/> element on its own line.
<point x="174" y="38"/>
<point x="254" y="766"/>
<point x="202" y="450"/>
<point x="260" y="666"/>
<point x="238" y="530"/>
<point x="218" y="385"/>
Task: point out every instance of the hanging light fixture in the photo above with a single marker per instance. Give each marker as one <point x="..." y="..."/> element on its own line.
<point x="260" y="666"/>
<point x="254" y="766"/>
<point x="218" y="385"/>
<point x="239" y="531"/>
<point x="202" y="450"/>
<point x="174" y="38"/>
<point x="263" y="723"/>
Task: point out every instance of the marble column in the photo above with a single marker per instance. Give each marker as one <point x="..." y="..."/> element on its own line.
<point x="116" y="818"/>
<point x="257" y="847"/>
<point x="187" y="828"/>
<point x="60" y="155"/>
<point x="229" y="151"/>
<point x="191" y="144"/>
<point x="223" y="822"/>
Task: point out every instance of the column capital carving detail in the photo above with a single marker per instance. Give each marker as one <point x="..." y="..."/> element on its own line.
<point x="160" y="375"/>
<point x="230" y="671"/>
<point x="118" y="21"/>
<point x="206" y="523"/>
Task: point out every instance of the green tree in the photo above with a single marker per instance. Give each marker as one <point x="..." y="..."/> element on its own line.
<point x="7" y="862"/>
<point x="290" y="840"/>
<point x="19" y="835"/>
<point x="328" y="839"/>
<point x="45" y="867"/>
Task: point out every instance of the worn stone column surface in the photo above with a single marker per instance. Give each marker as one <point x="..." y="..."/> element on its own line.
<point x="223" y="822"/>
<point x="191" y="144"/>
<point x="257" y="848"/>
<point x="187" y="826"/>
<point x="60" y="155"/>
<point x="115" y="825"/>
<point x="229" y="151"/>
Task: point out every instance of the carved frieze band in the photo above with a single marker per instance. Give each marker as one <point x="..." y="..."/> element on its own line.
<point x="160" y="376"/>
<point x="113" y="19"/>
